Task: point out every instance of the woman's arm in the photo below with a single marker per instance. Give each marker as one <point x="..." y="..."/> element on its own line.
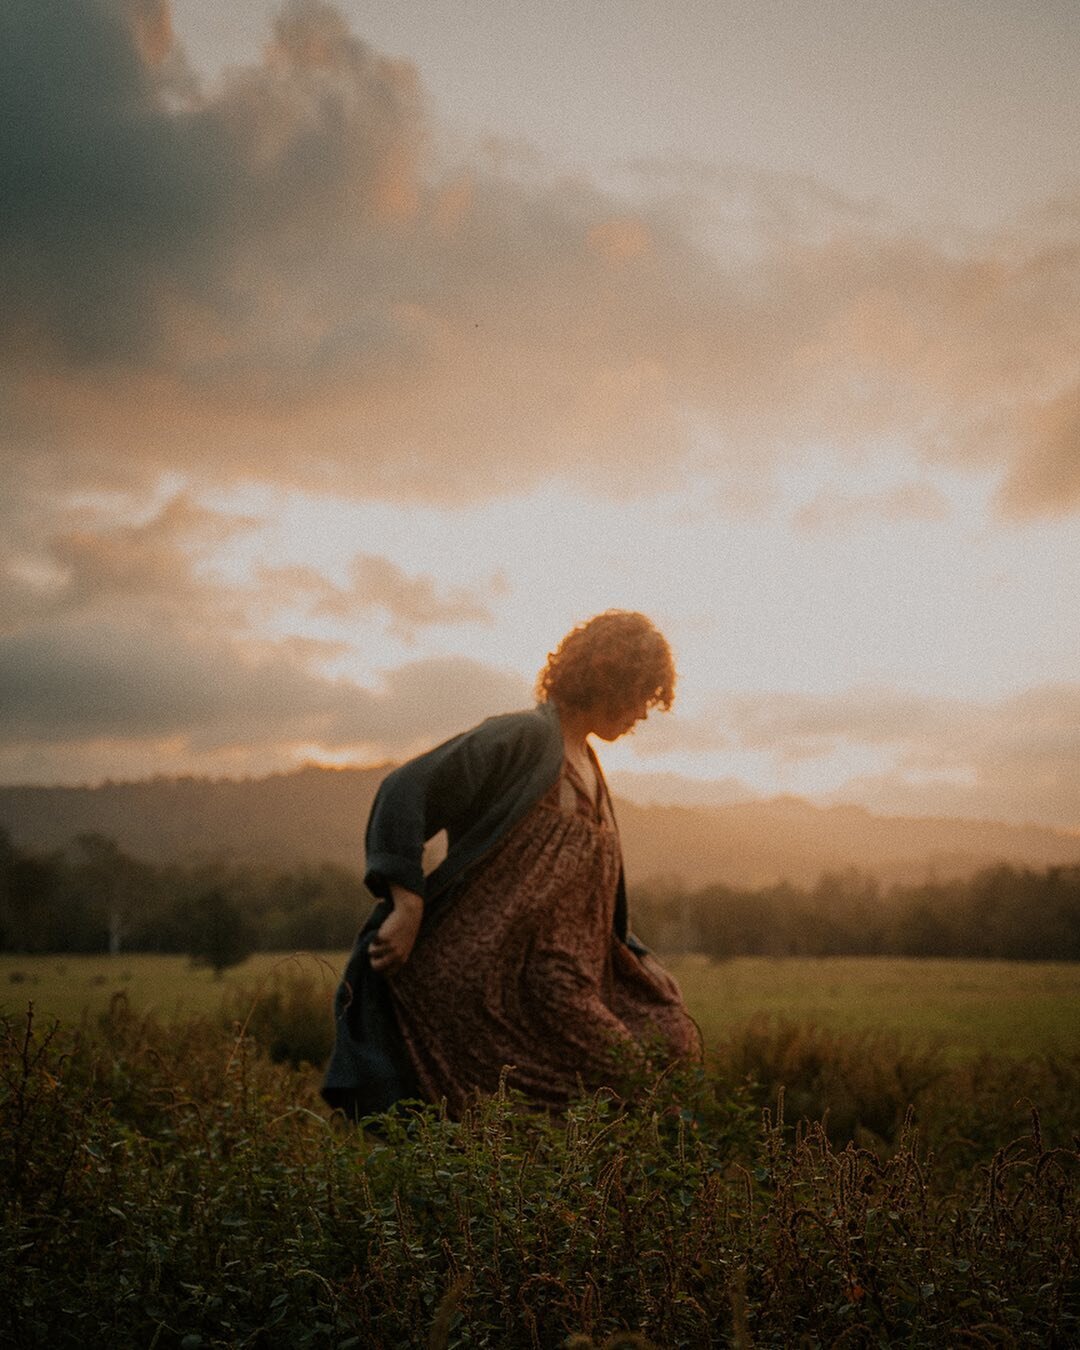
<point x="392" y="945"/>
<point x="451" y="787"/>
<point x="414" y="802"/>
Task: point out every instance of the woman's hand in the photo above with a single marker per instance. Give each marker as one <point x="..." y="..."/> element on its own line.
<point x="390" y="947"/>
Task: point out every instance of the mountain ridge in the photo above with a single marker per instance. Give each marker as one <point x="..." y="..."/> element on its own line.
<point x="317" y="813"/>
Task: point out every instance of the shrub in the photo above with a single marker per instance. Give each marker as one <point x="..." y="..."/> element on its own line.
<point x="860" y="1084"/>
<point x="291" y="1013"/>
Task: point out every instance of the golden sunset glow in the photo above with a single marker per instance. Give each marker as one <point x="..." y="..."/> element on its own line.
<point x="390" y="342"/>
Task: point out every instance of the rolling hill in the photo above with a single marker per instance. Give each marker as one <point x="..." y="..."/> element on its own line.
<point x="317" y="814"/>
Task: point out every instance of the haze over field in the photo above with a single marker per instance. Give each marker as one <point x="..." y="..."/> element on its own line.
<point x="313" y="815"/>
<point x="353" y="353"/>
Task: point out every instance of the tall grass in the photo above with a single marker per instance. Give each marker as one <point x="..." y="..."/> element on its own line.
<point x="171" y="1185"/>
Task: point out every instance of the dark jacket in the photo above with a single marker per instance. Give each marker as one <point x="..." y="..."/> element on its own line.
<point x="476" y="787"/>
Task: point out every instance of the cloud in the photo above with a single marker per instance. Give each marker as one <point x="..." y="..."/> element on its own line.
<point x="668" y="733"/>
<point x="106" y="194"/>
<point x="93" y="682"/>
<point x="273" y="277"/>
<point x="161" y="566"/>
<point x="802" y="726"/>
<point x="152" y="558"/>
<point x="1046" y="479"/>
<point x="78" y="560"/>
<point x="378" y="585"/>
<point x="1014" y="760"/>
<point x="125" y="643"/>
<point x="906" y="501"/>
<point x="422" y="702"/>
<point x="94" y="679"/>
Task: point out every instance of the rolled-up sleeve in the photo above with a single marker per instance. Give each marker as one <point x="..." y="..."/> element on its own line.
<point x="417" y="800"/>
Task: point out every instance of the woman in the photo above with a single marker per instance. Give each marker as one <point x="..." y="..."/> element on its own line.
<point x="514" y="950"/>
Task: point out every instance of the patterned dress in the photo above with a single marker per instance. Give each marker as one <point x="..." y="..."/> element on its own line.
<point x="523" y="969"/>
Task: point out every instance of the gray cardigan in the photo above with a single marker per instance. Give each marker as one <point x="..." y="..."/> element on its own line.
<point x="476" y="787"/>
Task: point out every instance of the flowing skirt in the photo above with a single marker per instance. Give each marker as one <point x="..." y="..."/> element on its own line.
<point x="523" y="974"/>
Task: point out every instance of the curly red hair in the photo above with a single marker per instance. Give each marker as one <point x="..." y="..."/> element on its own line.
<point x="610" y="662"/>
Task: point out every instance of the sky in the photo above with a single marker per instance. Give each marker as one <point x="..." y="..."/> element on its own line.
<point x="353" y="353"/>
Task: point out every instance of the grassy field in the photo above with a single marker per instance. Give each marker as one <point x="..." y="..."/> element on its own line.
<point x="66" y="987"/>
<point x="164" y="1182"/>
<point x="1010" y="1008"/>
<point x="1002" y="1007"/>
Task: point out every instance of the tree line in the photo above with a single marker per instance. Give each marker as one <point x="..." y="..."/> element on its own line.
<point x="94" y="897"/>
<point x="999" y="913"/>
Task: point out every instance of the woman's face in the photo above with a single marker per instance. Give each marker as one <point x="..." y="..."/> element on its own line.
<point x="610" y="724"/>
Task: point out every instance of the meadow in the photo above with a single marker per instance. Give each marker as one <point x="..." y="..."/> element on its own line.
<point x="876" y="1153"/>
<point x="963" y="1007"/>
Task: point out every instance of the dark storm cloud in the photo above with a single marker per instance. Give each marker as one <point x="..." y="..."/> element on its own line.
<point x="100" y="679"/>
<point x="108" y="196"/>
<point x="87" y="681"/>
<point x="128" y="191"/>
<point x="171" y="257"/>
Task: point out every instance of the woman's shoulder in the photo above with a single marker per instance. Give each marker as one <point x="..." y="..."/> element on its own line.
<point x="532" y="735"/>
<point x="505" y="738"/>
<point x="537" y="725"/>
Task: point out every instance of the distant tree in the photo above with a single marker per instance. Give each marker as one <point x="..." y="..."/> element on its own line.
<point x="219" y="935"/>
<point x="845" y="917"/>
<point x="1062" y="900"/>
<point x="7" y="869"/>
<point x="663" y="915"/>
<point x="33" y="914"/>
<point x="109" y="883"/>
<point x="920" y="931"/>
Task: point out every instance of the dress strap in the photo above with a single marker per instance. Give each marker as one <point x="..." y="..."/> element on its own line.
<point x="587" y="803"/>
<point x="605" y="808"/>
<point x="598" y="807"/>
